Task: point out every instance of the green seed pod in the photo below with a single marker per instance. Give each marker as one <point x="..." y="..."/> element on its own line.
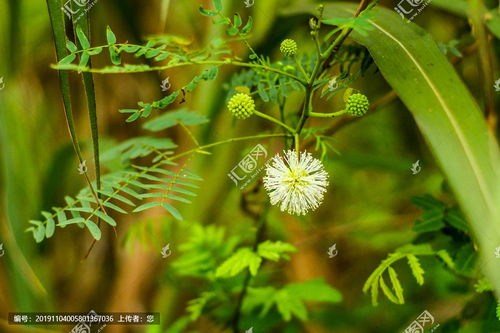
<point x="241" y="106"/>
<point x="289" y="47"/>
<point x="357" y="105"/>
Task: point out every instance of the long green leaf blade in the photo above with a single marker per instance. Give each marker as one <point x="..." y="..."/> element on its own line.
<point x="59" y="33"/>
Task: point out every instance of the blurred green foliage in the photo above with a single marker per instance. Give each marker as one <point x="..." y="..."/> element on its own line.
<point x="237" y="262"/>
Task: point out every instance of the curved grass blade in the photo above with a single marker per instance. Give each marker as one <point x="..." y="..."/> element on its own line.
<point x="82" y="28"/>
<point x="59" y="31"/>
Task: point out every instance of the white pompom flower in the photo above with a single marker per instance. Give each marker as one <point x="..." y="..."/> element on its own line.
<point x="297" y="182"/>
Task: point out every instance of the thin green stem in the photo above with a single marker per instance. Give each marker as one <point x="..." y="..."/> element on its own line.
<point x="337" y="42"/>
<point x="282" y="110"/>
<point x="276" y="121"/>
<point x="305" y="110"/>
<point x="297" y="144"/>
<point x="270" y="88"/>
<point x="218" y="143"/>
<point x="252" y="50"/>
<point x="333" y="49"/>
<point x="299" y="65"/>
<point x="318" y="46"/>
<point x="330" y="34"/>
<point x="191" y="135"/>
<point x="112" y="70"/>
<point x="327" y="115"/>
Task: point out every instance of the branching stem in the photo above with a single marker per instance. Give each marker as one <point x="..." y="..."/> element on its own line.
<point x="299" y="65"/>
<point x="276" y="121"/>
<point x="321" y="65"/>
<point x="112" y="70"/>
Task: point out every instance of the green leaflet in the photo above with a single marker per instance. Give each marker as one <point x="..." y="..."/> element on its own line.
<point x="195" y="306"/>
<point x="374" y="293"/>
<point x="288" y="305"/>
<point x="275" y="250"/>
<point x="173" y="118"/>
<point x="137" y="147"/>
<point x="387" y="291"/>
<point x="416" y="269"/>
<point x="396" y="285"/>
<point x="262" y="297"/>
<point x="94" y="230"/>
<point x="71" y="46"/>
<point x="172" y="210"/>
<point x="50" y="226"/>
<point x="483" y="285"/>
<point x="235" y="264"/>
<point x="359" y="24"/>
<point x="432" y="220"/>
<point x="106" y="218"/>
<point x="205" y="247"/>
<point x="437" y="215"/>
<point x="205" y="76"/>
<point x="289" y="300"/>
<point x="465" y="261"/>
<point x="146" y="108"/>
<point x="316" y="290"/>
<point x="427" y="202"/>
<point x="82" y="38"/>
<point x="110" y="36"/>
<point x="248" y="27"/>
<point x="39" y="233"/>
<point x="206" y="12"/>
<point x="82" y="28"/>
<point x="246" y="257"/>
<point x="455" y="219"/>
<point x="237" y="20"/>
<point x="217" y="4"/>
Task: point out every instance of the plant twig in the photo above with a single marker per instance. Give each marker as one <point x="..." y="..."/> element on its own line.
<point x="110" y="70"/>
<point x="322" y="64"/>
<point x="276" y="121"/>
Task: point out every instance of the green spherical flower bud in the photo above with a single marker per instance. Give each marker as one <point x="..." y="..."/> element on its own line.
<point x="288" y="47"/>
<point x="313" y="23"/>
<point x="241" y="106"/>
<point x="357" y="105"/>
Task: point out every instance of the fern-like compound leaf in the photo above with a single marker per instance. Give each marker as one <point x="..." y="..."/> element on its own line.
<point x="243" y="258"/>
<point x="275" y="250"/>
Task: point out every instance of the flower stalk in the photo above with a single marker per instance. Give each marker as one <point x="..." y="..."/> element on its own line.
<point x="327" y="115"/>
<point x="276" y="121"/>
